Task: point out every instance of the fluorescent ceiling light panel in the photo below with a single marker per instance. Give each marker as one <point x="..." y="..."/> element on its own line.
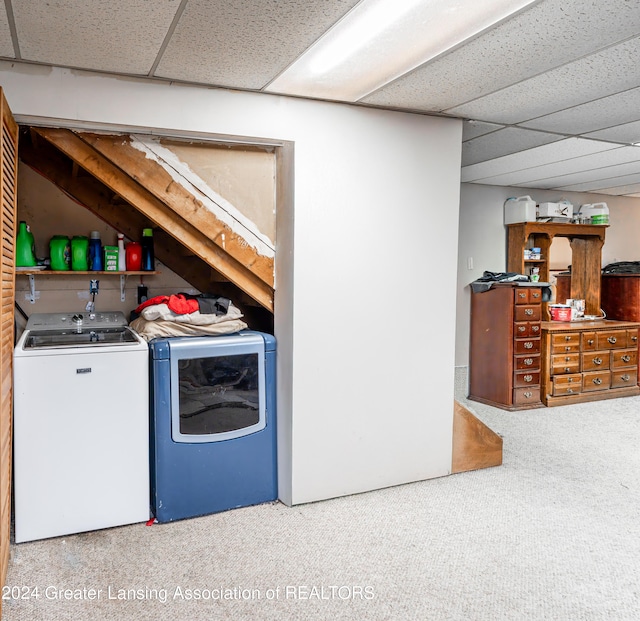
<point x="380" y="40"/>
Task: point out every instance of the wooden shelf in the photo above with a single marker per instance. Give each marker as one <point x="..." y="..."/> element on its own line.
<point x="28" y="272"/>
<point x="586" y="249"/>
<point x="33" y="273"/>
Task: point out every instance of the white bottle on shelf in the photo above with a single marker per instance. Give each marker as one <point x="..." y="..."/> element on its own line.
<point x="122" y="264"/>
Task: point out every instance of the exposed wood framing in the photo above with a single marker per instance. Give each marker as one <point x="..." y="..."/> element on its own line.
<point x="475" y="446"/>
<point x="178" y="215"/>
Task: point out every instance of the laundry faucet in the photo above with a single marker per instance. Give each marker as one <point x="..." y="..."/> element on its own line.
<point x="93" y="291"/>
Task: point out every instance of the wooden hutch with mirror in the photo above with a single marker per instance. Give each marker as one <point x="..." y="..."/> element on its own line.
<point x="566" y="362"/>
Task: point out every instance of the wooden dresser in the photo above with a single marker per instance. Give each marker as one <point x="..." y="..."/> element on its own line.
<point x="504" y="353"/>
<point x="588" y="361"/>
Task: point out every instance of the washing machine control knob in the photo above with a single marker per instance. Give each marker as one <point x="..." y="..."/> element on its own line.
<point x="77" y="318"/>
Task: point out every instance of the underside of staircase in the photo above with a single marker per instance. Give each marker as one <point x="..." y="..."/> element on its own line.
<point x="122" y="182"/>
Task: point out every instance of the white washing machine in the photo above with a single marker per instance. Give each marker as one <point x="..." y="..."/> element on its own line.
<point x="81" y="425"/>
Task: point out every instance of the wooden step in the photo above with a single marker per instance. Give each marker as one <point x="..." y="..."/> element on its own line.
<point x="475" y="446"/>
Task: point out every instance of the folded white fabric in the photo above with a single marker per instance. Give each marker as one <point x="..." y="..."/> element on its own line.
<point x="159" y="327"/>
<point x="162" y="311"/>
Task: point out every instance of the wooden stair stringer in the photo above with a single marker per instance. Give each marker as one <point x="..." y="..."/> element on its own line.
<point x="243" y="245"/>
<point x="475" y="445"/>
<point x="183" y="227"/>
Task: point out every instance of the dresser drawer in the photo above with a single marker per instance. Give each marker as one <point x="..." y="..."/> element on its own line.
<point x="526" y="346"/>
<point x="567" y="384"/>
<point x="527" y="363"/>
<point x="526" y="328"/>
<point x="588" y="341"/>
<point x="525" y="396"/>
<point x="526" y="378"/>
<point x="624" y="358"/>
<point x="527" y="312"/>
<point x="624" y="377"/>
<point x="565" y="342"/>
<point x="528" y="295"/>
<point x="596" y="380"/>
<point x="595" y="360"/>
<point x="610" y="339"/>
<point x="565" y="363"/>
<point x="632" y="338"/>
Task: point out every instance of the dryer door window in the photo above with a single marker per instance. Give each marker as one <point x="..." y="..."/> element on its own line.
<point x="219" y="396"/>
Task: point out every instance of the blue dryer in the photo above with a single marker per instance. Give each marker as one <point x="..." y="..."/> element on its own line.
<point x="213" y="423"/>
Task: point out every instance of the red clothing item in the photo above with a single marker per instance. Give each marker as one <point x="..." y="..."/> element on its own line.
<point x="178" y="303"/>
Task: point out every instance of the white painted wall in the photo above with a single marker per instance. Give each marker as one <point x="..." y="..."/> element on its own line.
<point x="365" y="306"/>
<point x="483" y="237"/>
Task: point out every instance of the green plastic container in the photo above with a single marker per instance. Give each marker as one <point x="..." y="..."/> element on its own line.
<point x="25" y="255"/>
<point x="60" y="253"/>
<point x="80" y="253"/>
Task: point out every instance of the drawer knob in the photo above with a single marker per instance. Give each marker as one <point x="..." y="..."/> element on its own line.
<point x="567" y="338"/>
<point x="570" y="390"/>
<point x="535" y="294"/>
<point x="590" y="341"/>
<point x="528" y="311"/>
<point x="527" y="395"/>
<point x="528" y="345"/>
<point x="626" y="358"/>
<point x="570" y="380"/>
<point x="567" y="358"/>
<point x="625" y="378"/>
<point x="521" y="328"/>
<point x="634" y="338"/>
<point x="528" y="378"/>
<point x="597" y="381"/>
<point x="521" y="294"/>
<point x="535" y="328"/>
<point x="567" y="369"/>
<point x="567" y="348"/>
<point x="528" y="361"/>
<point x="597" y="360"/>
<point x="612" y="339"/>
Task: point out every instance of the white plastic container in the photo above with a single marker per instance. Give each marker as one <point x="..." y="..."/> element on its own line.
<point x="563" y="209"/>
<point x="521" y="209"/>
<point x="596" y="213"/>
<point x="122" y="262"/>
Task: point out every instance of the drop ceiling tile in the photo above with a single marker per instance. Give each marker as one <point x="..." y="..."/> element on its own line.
<point x="600" y="184"/>
<point x="589" y="117"/>
<point x="580" y="163"/>
<point x="122" y="36"/>
<point x="626" y="190"/>
<point x="593" y="77"/>
<point x="555" y="152"/>
<point x="550" y="34"/>
<point x="627" y="133"/>
<point x="503" y="142"/>
<point x="587" y="176"/>
<point x="473" y="129"/>
<point x="244" y="44"/>
<point x="6" y="45"/>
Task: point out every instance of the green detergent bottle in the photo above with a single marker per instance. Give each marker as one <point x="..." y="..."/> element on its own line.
<point x="79" y="253"/>
<point x="25" y="255"/>
<point x="60" y="253"/>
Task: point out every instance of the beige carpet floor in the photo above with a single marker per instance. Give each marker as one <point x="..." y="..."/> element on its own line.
<point x="554" y="533"/>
